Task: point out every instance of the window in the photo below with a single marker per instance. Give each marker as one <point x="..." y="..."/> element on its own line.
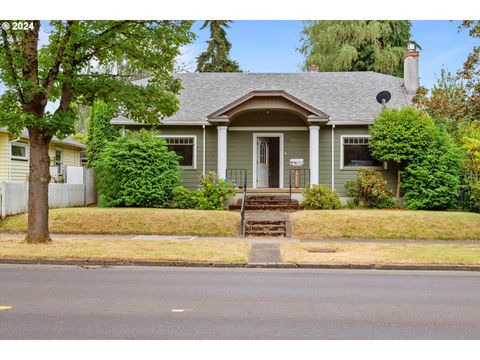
<point x="59" y="159"/>
<point x="18" y="151"/>
<point x="355" y="152"/>
<point x="185" y="147"/>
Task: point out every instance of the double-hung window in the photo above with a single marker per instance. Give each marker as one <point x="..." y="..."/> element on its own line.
<point x="184" y="146"/>
<point x="18" y="151"/>
<point x="355" y="153"/>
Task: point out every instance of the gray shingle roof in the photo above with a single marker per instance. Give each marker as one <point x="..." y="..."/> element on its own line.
<point x="66" y="141"/>
<point x="347" y="97"/>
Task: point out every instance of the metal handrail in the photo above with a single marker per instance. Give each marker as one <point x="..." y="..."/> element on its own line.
<point x="244" y="205"/>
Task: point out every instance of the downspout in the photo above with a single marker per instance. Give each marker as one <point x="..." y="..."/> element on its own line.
<point x="333" y="157"/>
<point x="203" y="149"/>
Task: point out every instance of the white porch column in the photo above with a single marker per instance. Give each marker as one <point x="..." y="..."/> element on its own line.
<point x="222" y="151"/>
<point x="314" y="135"/>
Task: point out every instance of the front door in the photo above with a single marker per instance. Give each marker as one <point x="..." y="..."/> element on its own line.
<point x="262" y="162"/>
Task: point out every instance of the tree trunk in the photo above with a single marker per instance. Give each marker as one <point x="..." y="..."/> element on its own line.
<point x="38" y="179"/>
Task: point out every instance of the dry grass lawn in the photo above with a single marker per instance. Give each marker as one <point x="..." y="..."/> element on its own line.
<point x="124" y="250"/>
<point x="385" y="224"/>
<point x="381" y="254"/>
<point x="93" y="220"/>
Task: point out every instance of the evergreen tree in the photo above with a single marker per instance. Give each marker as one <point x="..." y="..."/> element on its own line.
<point x="356" y="45"/>
<point x="100" y="131"/>
<point x="217" y="56"/>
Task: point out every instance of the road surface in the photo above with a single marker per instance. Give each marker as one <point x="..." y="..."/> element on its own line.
<point x="65" y="302"/>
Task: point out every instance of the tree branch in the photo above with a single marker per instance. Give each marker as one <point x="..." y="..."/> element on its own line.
<point x="53" y="72"/>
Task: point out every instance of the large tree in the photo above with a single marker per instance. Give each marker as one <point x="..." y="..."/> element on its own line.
<point x="43" y="81"/>
<point x="217" y="56"/>
<point x="356" y="45"/>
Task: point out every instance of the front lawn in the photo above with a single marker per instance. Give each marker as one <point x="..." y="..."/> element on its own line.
<point x="385" y="224"/>
<point x="367" y="254"/>
<point x="93" y="220"/>
<point x="125" y="250"/>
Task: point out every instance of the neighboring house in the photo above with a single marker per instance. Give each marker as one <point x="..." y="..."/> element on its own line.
<point x="15" y="154"/>
<point x="261" y="123"/>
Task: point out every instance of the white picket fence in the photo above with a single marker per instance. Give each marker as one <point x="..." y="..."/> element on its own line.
<point x="14" y="195"/>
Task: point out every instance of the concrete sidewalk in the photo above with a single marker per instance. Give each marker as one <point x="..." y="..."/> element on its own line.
<point x="250" y="240"/>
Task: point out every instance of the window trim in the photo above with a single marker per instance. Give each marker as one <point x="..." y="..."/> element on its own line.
<point x="194" y="137"/>
<point x="21" y="144"/>
<point x="342" y="167"/>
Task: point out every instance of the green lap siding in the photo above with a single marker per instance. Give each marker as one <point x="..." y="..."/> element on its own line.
<point x="296" y="146"/>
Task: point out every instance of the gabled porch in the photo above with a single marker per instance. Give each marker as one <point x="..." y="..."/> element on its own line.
<point x="270" y="141"/>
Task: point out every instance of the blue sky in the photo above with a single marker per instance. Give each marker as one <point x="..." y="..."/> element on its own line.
<point x="270" y="46"/>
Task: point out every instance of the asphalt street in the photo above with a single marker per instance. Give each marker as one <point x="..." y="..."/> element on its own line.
<point x="67" y="302"/>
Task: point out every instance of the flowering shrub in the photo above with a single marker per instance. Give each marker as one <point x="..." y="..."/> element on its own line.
<point x="369" y="190"/>
<point x="214" y="192"/>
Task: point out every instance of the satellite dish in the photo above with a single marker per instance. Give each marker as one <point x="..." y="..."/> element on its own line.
<point x="383" y="97"/>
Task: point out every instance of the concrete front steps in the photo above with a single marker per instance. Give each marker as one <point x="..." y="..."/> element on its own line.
<point x="268" y="202"/>
<point x="269" y="228"/>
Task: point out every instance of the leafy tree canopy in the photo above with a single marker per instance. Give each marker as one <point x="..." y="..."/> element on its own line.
<point x="356" y="45"/>
<point x="62" y="72"/>
<point x="217" y="56"/>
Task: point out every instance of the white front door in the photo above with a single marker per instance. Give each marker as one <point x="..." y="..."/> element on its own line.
<point x="262" y="162"/>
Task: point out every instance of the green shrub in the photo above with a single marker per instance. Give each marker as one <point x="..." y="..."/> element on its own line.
<point x="137" y="171"/>
<point x="369" y="190"/>
<point x="184" y="198"/>
<point x="214" y="192"/>
<point x="432" y="181"/>
<point x="321" y="197"/>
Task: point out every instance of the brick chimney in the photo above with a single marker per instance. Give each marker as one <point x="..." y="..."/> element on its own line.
<point x="313" y="68"/>
<point x="410" y="69"/>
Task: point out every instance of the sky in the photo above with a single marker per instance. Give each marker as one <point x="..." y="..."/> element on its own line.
<point x="271" y="46"/>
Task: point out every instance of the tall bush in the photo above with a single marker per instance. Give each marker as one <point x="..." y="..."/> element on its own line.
<point x="401" y="136"/>
<point x="100" y="131"/>
<point x="432" y="180"/>
<point x="137" y="171"/>
<point x="369" y="190"/>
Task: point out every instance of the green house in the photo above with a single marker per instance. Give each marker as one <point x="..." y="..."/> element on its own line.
<point x="281" y="130"/>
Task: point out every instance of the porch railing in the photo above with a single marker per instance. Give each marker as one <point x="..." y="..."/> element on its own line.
<point x="237" y="176"/>
<point x="298" y="178"/>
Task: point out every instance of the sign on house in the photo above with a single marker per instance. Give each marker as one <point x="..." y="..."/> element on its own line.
<point x="296" y="162"/>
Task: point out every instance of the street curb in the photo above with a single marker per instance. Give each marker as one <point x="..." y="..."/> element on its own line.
<point x="109" y="263"/>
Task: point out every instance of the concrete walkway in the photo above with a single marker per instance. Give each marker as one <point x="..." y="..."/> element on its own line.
<point x="265" y="253"/>
<point x="250" y="240"/>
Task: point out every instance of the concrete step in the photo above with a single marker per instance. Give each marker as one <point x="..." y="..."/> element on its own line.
<point x="271" y="228"/>
<point x="265" y="233"/>
<point x="269" y="202"/>
<point x="267" y="207"/>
